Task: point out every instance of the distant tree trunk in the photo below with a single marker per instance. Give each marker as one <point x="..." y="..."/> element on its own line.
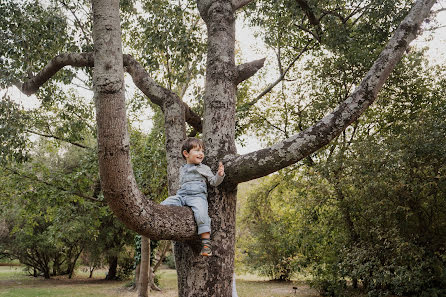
<point x="112" y="268"/>
<point x="137" y="274"/>
<point x="72" y="264"/>
<point x="56" y="265"/>
<point x="46" y="272"/>
<point x="143" y="280"/>
<point x="91" y="272"/>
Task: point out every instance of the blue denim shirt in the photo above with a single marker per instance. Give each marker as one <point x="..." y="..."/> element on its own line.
<point x="193" y="179"/>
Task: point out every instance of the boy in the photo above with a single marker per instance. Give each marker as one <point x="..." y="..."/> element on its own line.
<point x="193" y="189"/>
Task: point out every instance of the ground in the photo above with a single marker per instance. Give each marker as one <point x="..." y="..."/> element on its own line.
<point x="15" y="283"/>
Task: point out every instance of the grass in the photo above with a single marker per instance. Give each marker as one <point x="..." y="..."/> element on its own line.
<point x="15" y="283"/>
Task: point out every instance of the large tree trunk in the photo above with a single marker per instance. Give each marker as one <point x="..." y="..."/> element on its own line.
<point x="198" y="275"/>
<point x="202" y="276"/>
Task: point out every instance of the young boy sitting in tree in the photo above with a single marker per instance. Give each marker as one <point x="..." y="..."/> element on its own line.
<point x="193" y="189"/>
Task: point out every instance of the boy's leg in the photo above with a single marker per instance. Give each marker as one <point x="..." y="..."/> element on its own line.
<point x="173" y="200"/>
<point x="199" y="206"/>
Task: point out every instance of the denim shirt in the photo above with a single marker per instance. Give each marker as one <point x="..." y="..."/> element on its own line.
<point x="193" y="179"/>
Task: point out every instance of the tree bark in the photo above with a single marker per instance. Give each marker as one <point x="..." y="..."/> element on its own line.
<point x="137" y="274"/>
<point x="143" y="279"/>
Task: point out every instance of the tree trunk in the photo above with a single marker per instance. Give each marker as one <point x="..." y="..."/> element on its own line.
<point x="137" y="274"/>
<point x="143" y="279"/>
<point x="112" y="268"/>
<point x="91" y="272"/>
<point x="198" y="275"/>
<point x="203" y="276"/>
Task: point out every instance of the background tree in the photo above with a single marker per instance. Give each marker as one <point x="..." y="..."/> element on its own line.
<point x="198" y="276"/>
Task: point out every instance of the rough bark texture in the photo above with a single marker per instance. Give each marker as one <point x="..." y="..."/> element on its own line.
<point x="247" y="70"/>
<point x="197" y="275"/>
<point x="117" y="179"/>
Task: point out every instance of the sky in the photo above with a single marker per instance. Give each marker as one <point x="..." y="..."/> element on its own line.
<point x="252" y="48"/>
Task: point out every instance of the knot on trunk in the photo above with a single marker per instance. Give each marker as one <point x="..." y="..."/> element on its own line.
<point x="109" y="84"/>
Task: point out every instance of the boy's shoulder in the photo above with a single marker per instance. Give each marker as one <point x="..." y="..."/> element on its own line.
<point x="201" y="165"/>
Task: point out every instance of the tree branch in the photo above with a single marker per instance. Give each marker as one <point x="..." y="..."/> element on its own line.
<point x="58" y="138"/>
<point x="237" y="4"/>
<point x="33" y="84"/>
<point x="278" y="80"/>
<point x="245" y="71"/>
<point x="308" y="12"/>
<point x="289" y="151"/>
<point x="16" y="172"/>
<point x="141" y="78"/>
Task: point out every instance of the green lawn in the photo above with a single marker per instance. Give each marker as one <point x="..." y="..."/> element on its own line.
<point x="15" y="283"/>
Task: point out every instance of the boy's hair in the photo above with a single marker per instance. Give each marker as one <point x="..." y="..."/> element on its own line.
<point x="190" y="143"/>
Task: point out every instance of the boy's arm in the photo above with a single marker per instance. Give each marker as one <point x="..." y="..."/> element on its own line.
<point x="214" y="180"/>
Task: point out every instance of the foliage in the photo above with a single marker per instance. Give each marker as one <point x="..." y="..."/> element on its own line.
<point x="49" y="225"/>
<point x="371" y="207"/>
<point x="25" y="52"/>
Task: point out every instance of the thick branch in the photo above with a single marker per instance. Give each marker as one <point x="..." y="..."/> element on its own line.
<point x="308" y="12"/>
<point x="78" y="60"/>
<point x="141" y="78"/>
<point x="291" y="150"/>
<point x="245" y="71"/>
<point x="237" y="4"/>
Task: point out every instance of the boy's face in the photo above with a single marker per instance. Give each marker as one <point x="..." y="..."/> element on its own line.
<point x="194" y="156"/>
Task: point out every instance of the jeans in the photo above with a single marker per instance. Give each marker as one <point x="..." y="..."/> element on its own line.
<point x="194" y="195"/>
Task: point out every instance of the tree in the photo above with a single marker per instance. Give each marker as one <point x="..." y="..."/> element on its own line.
<point x="201" y="276"/>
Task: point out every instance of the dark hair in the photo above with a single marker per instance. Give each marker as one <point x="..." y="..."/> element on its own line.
<point x="190" y="143"/>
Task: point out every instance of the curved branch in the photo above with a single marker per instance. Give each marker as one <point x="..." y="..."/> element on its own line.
<point x="263" y="162"/>
<point x="245" y="71"/>
<point x="33" y="84"/>
<point x="141" y="78"/>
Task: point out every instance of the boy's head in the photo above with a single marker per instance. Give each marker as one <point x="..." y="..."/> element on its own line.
<point x="192" y="150"/>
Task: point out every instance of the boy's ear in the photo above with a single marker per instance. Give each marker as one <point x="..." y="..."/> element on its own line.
<point x="185" y="154"/>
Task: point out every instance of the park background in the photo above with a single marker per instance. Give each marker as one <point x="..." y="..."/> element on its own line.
<point x="368" y="211"/>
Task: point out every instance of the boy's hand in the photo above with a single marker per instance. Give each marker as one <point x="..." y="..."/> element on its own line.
<point x="221" y="169"/>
